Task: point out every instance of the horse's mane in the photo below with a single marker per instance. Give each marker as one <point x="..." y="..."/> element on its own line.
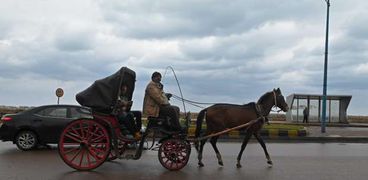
<point x="263" y="97"/>
<point x="251" y="104"/>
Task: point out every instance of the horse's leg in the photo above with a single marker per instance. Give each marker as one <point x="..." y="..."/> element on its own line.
<point x="218" y="155"/>
<point x="260" y="140"/>
<point x="200" y="163"/>
<point x="245" y="142"/>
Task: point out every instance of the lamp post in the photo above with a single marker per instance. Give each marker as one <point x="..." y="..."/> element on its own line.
<point x="323" y="121"/>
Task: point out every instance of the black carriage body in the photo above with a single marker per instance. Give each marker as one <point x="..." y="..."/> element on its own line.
<point x="102" y="95"/>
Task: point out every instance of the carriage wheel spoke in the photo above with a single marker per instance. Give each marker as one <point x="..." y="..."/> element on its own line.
<point x="98" y="144"/>
<point x="167" y="160"/>
<point x="71" y="150"/>
<point x="98" y="139"/>
<point x="76" y="132"/>
<point x="81" y="129"/>
<point x="81" y="158"/>
<point x="97" y="158"/>
<point x="171" y="162"/>
<point x="75" y="155"/>
<point x="94" y="133"/>
<point x="87" y="130"/>
<point x="72" y="137"/>
<point x="72" y="143"/>
<point x="88" y="158"/>
<point x="97" y="150"/>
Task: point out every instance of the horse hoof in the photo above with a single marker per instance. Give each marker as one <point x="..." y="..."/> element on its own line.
<point x="221" y="163"/>
<point x="200" y="164"/>
<point x="238" y="165"/>
<point x="270" y="164"/>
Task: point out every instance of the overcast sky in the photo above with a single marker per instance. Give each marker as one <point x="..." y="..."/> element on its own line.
<point x="222" y="51"/>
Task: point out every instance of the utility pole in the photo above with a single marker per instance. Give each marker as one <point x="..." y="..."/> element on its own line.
<point x="323" y="121"/>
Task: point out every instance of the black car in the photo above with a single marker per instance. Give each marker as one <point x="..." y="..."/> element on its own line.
<point x="39" y="126"/>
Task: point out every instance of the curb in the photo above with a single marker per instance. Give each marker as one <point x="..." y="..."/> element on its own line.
<point x="322" y="139"/>
<point x="363" y="125"/>
<point x="264" y="133"/>
<point x="283" y="133"/>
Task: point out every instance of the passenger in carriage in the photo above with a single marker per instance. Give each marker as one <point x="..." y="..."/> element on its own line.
<point x="126" y="117"/>
<point x="156" y="103"/>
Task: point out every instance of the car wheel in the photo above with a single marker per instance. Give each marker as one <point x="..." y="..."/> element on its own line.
<point x="26" y="140"/>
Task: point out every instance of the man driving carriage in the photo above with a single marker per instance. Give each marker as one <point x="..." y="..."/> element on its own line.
<point x="156" y="103"/>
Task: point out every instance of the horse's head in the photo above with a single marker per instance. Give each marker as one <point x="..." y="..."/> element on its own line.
<point x="280" y="100"/>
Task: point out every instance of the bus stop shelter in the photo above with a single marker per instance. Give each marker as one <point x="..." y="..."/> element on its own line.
<point x="336" y="107"/>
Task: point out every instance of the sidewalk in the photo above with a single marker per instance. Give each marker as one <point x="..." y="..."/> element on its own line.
<point x="354" y="133"/>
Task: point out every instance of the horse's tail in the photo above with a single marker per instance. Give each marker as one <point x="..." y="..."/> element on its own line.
<point x="199" y="126"/>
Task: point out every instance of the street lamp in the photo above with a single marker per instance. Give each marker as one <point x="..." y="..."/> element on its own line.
<point x="323" y="121"/>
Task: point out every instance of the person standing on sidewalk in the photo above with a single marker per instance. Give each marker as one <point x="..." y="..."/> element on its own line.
<point x="305" y="115"/>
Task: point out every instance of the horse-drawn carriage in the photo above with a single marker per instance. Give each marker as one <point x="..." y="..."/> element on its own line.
<point x="85" y="144"/>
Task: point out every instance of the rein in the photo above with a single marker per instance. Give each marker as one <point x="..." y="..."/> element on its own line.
<point x="246" y="125"/>
<point x="177" y="82"/>
<point x="198" y="104"/>
<point x="181" y="98"/>
<point x="193" y="103"/>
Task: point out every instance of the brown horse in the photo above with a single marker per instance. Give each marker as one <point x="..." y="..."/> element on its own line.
<point x="220" y="117"/>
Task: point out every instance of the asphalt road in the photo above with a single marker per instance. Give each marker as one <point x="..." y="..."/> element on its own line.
<point x="291" y="161"/>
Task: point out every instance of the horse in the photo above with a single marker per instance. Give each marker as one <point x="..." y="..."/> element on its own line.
<point x="220" y="117"/>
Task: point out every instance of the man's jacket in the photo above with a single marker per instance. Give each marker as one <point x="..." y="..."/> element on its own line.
<point x="154" y="98"/>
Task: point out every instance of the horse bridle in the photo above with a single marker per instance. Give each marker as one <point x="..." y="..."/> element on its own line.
<point x="274" y="95"/>
<point x="259" y="109"/>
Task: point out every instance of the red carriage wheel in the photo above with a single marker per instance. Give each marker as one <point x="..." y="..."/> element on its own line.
<point x="84" y="144"/>
<point x="173" y="154"/>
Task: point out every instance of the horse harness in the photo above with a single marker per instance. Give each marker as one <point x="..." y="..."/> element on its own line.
<point x="259" y="109"/>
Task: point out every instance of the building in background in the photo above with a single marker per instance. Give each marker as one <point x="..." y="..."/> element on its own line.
<point x="336" y="108"/>
<point x="12" y="109"/>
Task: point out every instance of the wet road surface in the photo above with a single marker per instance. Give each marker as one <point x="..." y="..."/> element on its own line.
<point x="291" y="161"/>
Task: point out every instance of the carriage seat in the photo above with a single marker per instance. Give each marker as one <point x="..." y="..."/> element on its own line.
<point x="157" y="122"/>
<point x="162" y="124"/>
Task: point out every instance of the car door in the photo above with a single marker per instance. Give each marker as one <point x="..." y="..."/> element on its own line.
<point x="52" y="120"/>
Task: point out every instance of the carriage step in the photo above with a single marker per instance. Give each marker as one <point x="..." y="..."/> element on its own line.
<point x="155" y="148"/>
<point x="127" y="157"/>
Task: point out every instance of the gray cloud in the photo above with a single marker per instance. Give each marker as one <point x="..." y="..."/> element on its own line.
<point x="173" y="19"/>
<point x="74" y="42"/>
<point x="221" y="51"/>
